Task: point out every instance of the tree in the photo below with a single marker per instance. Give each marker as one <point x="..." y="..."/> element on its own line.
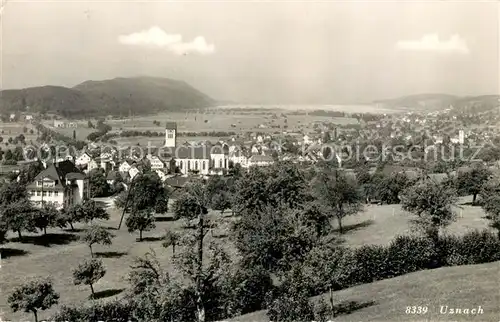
<point x="338" y="195"/>
<point x="171" y="238"/>
<point x="432" y="204"/>
<point x="19" y="216"/>
<point x="33" y="296"/>
<point x="96" y="234"/>
<point x="142" y="220"/>
<point x="28" y="174"/>
<point x="90" y="211"/>
<point x="88" y="273"/>
<point x="389" y="187"/>
<point x="198" y="201"/>
<point x="490" y="196"/>
<point x="99" y="187"/>
<point x="46" y="216"/>
<point x="221" y="201"/>
<point x="12" y="192"/>
<point x="70" y="216"/>
<point x="471" y="182"/>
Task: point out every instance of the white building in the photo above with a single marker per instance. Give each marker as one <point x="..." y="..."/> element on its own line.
<point x="170" y="135"/>
<point x="219" y="156"/>
<point x="61" y="184"/>
<point x="238" y="157"/>
<point x="155" y="162"/>
<point x="83" y="159"/>
<point x="125" y="166"/>
<point x="92" y="165"/>
<point x="133" y="172"/>
<point x="260" y="160"/>
<point x="190" y="159"/>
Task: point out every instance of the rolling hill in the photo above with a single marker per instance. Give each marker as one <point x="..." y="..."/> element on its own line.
<point x="456" y="287"/>
<point x="118" y="96"/>
<point x="433" y="102"/>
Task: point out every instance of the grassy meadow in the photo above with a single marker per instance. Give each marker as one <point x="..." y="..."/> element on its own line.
<point x="60" y="252"/>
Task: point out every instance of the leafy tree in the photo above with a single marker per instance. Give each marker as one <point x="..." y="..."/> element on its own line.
<point x="4" y="229"/>
<point x="70" y="216"/>
<point x="221" y="201"/>
<point x="140" y="220"/>
<point x="28" y="174"/>
<point x="187" y="206"/>
<point x="275" y="239"/>
<point x="46" y="216"/>
<point x="389" y="187"/>
<point x="96" y="234"/>
<point x="19" y="216"/>
<point x="171" y="238"/>
<point x="432" y="204"/>
<point x="88" y="273"/>
<point x="338" y="195"/>
<point x="90" y="211"/>
<point x="471" y="182"/>
<point x="12" y="192"/>
<point x="98" y="185"/>
<point x="33" y="296"/>
<point x="490" y="196"/>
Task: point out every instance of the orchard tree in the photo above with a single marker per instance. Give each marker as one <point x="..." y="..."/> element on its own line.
<point x="389" y="187"/>
<point x="33" y="296"/>
<point x="88" y="273"/>
<point x="471" y="182"/>
<point x="432" y="204"/>
<point x="96" y="234"/>
<point x="171" y="238"/>
<point x="19" y="216"/>
<point x="490" y="196"/>
<point x="338" y="195"/>
<point x="12" y="192"/>
<point x="90" y="211"/>
<point x="46" y="216"/>
<point x="70" y="216"/>
<point x="99" y="187"/>
<point x="140" y="221"/>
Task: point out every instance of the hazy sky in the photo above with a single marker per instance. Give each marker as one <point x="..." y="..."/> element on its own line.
<point x="278" y="52"/>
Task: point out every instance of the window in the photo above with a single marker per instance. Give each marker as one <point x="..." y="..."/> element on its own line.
<point x="170" y="135"/>
<point x="44" y="193"/>
<point x="196" y="165"/>
<point x="38" y="193"/>
<point x="204" y="165"/>
<point x="189" y="165"/>
<point x="32" y="192"/>
<point x="50" y="193"/>
<point x="180" y="165"/>
<point x="220" y="163"/>
<point x="39" y="183"/>
<point x="56" y="193"/>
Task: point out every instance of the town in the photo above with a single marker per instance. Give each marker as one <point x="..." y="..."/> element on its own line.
<point x="286" y="161"/>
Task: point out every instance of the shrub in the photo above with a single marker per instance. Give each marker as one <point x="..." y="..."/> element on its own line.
<point x="371" y="264"/>
<point x="407" y="254"/>
<point x="291" y="307"/>
<point x="475" y="247"/>
<point x="116" y="311"/>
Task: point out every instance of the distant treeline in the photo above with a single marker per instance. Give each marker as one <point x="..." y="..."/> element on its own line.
<point x="104" y="137"/>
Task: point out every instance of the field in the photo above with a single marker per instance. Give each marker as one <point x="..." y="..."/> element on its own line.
<point x="458" y="287"/>
<point x="223" y="121"/>
<point x="377" y="225"/>
<point x="11" y="130"/>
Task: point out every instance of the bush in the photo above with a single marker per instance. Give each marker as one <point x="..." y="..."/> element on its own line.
<point x="371" y="264"/>
<point x="475" y="247"/>
<point x="407" y="254"/>
<point x="291" y="307"/>
<point x="116" y="311"/>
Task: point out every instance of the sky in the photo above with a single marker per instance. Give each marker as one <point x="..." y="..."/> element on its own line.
<point x="275" y="52"/>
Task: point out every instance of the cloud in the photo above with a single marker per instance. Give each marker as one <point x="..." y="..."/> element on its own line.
<point x="431" y="42"/>
<point x="155" y="37"/>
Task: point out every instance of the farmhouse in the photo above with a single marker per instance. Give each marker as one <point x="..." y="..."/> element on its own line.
<point x="61" y="184"/>
<point x="83" y="159"/>
<point x="260" y="160"/>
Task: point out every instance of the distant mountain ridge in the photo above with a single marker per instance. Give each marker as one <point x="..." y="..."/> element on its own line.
<point x="118" y="96"/>
<point x="433" y="101"/>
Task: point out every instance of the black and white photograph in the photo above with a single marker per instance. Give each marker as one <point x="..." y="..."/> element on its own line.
<point x="249" y="161"/>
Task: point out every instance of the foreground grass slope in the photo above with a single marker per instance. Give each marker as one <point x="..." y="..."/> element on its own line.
<point x="456" y="287"/>
<point x="376" y="225"/>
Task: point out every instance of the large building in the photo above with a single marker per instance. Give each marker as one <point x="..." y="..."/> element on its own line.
<point x="171" y="135"/>
<point x="61" y="184"/>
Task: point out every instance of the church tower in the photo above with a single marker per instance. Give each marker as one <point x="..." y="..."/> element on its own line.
<point x="170" y="134"/>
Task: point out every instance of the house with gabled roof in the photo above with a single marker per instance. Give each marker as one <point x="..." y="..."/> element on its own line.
<point x="61" y="184"/>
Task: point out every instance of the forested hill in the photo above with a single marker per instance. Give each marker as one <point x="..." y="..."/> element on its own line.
<point x="118" y="96"/>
